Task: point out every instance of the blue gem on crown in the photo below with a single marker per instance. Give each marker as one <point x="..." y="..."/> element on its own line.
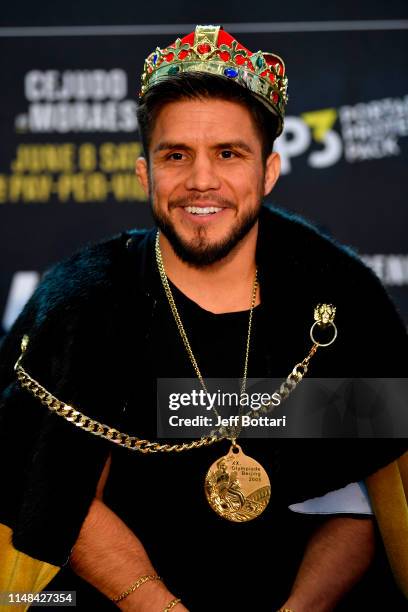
<point x="231" y="73"/>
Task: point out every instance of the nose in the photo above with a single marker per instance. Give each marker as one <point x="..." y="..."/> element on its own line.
<point x="202" y="174"/>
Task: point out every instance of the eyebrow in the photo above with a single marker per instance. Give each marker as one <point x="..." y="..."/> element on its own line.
<point x="231" y="144"/>
<point x="166" y="146"/>
<point x="235" y="144"/>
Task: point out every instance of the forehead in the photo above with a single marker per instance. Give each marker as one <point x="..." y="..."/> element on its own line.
<point x="204" y="121"/>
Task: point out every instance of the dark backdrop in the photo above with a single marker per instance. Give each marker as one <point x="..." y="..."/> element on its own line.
<point x="69" y="134"/>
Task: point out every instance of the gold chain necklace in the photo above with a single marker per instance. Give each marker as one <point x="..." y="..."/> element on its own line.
<point x="237" y="487"/>
<point x="182" y="332"/>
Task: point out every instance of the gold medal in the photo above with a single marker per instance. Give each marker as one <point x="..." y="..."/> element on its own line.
<point x="237" y="487"/>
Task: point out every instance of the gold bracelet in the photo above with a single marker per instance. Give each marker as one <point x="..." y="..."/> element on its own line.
<point x="135" y="586"/>
<point x="171" y="605"/>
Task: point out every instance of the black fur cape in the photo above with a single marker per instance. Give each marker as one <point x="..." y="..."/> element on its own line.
<point x="92" y="311"/>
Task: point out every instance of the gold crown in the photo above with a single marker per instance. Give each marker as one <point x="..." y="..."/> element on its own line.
<point x="212" y="50"/>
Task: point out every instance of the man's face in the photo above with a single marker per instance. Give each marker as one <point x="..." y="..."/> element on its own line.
<point x="207" y="177"/>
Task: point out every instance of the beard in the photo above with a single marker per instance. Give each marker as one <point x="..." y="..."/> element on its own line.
<point x="199" y="252"/>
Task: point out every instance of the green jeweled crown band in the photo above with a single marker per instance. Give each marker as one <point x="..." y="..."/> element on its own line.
<point x="258" y="86"/>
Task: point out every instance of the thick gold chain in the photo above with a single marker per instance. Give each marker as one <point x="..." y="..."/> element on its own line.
<point x="77" y="418"/>
<point x="95" y="427"/>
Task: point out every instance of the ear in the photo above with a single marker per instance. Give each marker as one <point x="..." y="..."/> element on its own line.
<point x="142" y="173"/>
<point x="272" y="171"/>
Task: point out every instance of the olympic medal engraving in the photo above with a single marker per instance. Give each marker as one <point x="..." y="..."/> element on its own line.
<point x="237" y="487"/>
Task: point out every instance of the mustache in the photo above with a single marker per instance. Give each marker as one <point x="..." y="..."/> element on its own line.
<point x="192" y="199"/>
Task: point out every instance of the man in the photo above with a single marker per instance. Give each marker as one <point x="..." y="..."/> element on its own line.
<point x="226" y="286"/>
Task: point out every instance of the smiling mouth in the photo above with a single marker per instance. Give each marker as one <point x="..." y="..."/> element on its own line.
<point x="203" y="210"/>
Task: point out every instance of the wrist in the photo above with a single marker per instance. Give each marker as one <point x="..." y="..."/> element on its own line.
<point x="301" y="604"/>
<point x="153" y="596"/>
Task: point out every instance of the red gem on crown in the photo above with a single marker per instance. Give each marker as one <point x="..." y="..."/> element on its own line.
<point x="204" y="48"/>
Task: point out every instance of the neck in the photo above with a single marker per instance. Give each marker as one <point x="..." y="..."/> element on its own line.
<point x="225" y="286"/>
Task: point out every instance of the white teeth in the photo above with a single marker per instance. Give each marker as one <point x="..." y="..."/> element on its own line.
<point x="197" y="210"/>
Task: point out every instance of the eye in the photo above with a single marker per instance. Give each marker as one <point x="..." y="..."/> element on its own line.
<point x="176" y="156"/>
<point x="227" y="154"/>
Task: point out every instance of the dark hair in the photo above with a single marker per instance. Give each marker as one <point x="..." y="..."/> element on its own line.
<point x="200" y="85"/>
